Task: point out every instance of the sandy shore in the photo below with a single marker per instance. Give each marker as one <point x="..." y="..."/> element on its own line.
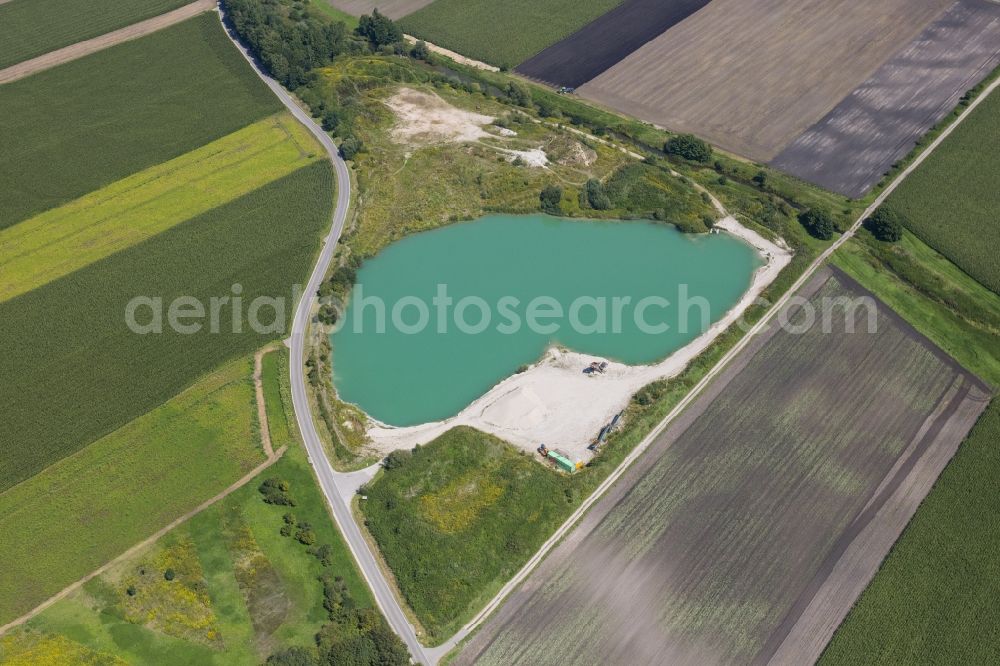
<point x="555" y="404"/>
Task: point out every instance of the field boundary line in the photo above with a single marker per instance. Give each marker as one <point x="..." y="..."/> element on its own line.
<point x="101" y="42"/>
<point x="148" y="541"/>
<point x="686" y="401"/>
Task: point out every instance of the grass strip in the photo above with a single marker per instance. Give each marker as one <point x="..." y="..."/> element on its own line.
<point x="60" y="241"/>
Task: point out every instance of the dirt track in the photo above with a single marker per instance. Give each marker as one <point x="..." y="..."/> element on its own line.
<point x="751" y="76"/>
<point x="74" y="51"/>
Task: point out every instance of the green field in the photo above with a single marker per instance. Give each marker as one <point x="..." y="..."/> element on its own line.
<point x="82" y="126"/>
<point x="241" y="590"/>
<point x="74" y="371"/>
<point x="86" y="509"/>
<point x="501" y="33"/>
<point x="459" y="518"/>
<point x="938" y="299"/>
<point x="962" y="225"/>
<point x="127" y="212"/>
<point x="934" y="599"/>
<point x="29" y="28"/>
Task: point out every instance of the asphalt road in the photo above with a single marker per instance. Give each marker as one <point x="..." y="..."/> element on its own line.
<point x="328" y="478"/>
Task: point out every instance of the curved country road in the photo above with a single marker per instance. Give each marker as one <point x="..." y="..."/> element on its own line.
<point x="328" y="478"/>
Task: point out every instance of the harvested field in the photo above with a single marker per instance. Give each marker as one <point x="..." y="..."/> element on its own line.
<point x="850" y="149"/>
<point x="753" y="522"/>
<point x="394" y="9"/>
<point x="502" y="33"/>
<point x="752" y="76"/>
<point x="29" y="28"/>
<point x="599" y="45"/>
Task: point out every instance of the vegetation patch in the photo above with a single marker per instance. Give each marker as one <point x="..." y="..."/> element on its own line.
<point x="957" y="313"/>
<point x="934" y="599"/>
<point x="94" y="373"/>
<point x="961" y="225"/>
<point x="135" y="105"/>
<point x="166" y="591"/>
<point x="89" y="507"/>
<point x="60" y="241"/>
<point x="29" y="28"/>
<point x="229" y="543"/>
<point x="22" y="647"/>
<point x="501" y="33"/>
<point x="458" y="517"/>
<point x="263" y="591"/>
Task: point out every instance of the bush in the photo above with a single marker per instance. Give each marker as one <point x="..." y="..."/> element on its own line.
<point x="379" y="30"/>
<point x="818" y="223"/>
<point x="169" y="575"/>
<point x="350" y="147"/>
<point x="397" y="459"/>
<point x="551" y="200"/>
<point x="294" y="656"/>
<point x="689" y="147"/>
<point x="131" y="591"/>
<point x="276" y="491"/>
<point x="596" y="196"/>
<point x="420" y="51"/>
<point x="885" y="224"/>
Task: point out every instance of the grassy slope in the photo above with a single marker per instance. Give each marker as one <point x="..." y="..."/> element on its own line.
<point x="934" y="599"/>
<point x="94" y="618"/>
<point x="29" y="28"/>
<point x="964" y="225"/>
<point x="502" y="33"/>
<point x="957" y="313"/>
<point x="84" y="510"/>
<point x="133" y="105"/>
<point x="74" y="371"/>
<point x="481" y="508"/>
<point x="129" y="211"/>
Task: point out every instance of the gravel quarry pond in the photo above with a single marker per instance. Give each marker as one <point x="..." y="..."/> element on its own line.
<point x="464" y="306"/>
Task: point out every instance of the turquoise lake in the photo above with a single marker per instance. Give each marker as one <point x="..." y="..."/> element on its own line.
<point x="423" y="366"/>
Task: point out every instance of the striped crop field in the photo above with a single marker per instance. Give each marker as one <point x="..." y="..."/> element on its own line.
<point x="502" y="33"/>
<point x="963" y="224"/>
<point x="747" y="530"/>
<point x="29" y="28"/>
<point x="84" y="125"/>
<point x="89" y="507"/>
<point x="70" y="349"/>
<point x="62" y="240"/>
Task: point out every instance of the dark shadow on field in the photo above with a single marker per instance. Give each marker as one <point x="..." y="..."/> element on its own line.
<point x="599" y="45"/>
<point x="879" y="122"/>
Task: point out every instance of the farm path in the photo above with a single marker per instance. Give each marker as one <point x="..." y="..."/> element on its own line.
<point x="80" y="49"/>
<point x="330" y="481"/>
<point x="601" y="490"/>
<point x="272" y="457"/>
<point x="258" y="385"/>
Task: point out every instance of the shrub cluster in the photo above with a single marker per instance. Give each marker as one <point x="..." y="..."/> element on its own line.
<point x="689" y="147"/>
<point x="276" y="491"/>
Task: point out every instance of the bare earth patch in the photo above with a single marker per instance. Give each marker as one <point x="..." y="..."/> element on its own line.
<point x="425" y="119"/>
